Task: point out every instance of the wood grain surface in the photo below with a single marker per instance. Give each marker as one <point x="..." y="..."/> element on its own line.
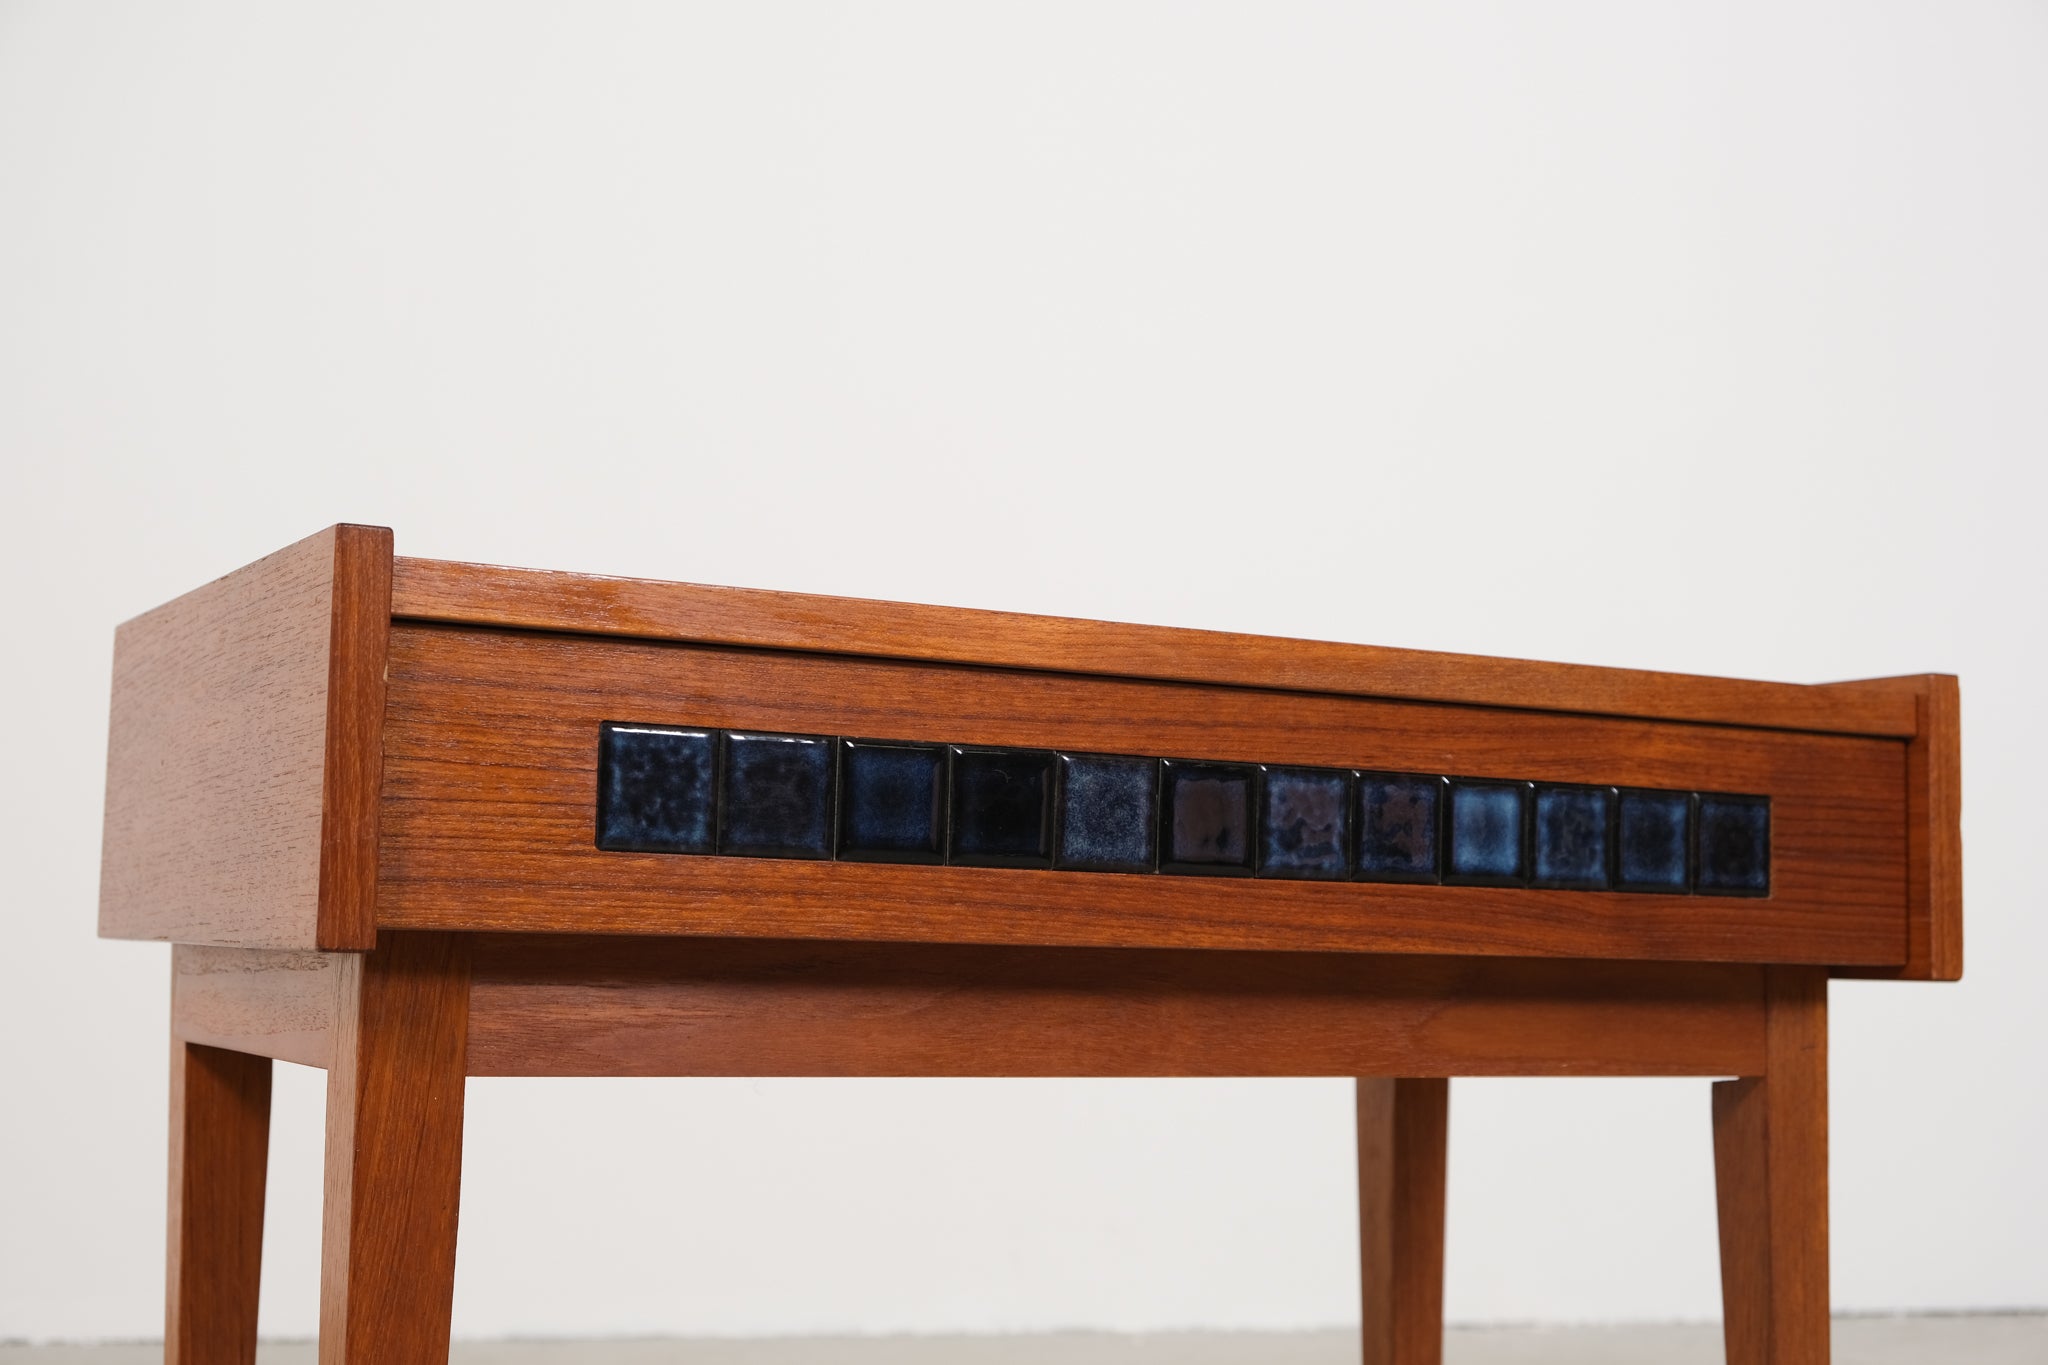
<point x="276" y="1003"/>
<point x="490" y="791"/>
<point x="244" y="753"/>
<point x="1403" y="1127"/>
<point x="1934" y="831"/>
<point x="352" y="783"/>
<point x="1771" y="1175"/>
<point x="552" y="1006"/>
<point x="394" y="1152"/>
<point x="220" y="1150"/>
<point x="479" y="594"/>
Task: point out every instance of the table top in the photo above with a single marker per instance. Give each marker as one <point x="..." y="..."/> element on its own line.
<point x="538" y="599"/>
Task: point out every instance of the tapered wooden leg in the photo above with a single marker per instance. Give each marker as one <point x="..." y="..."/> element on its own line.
<point x="220" y="1143"/>
<point x="1402" y="1125"/>
<point x="1771" y="1173"/>
<point x="394" y="1152"/>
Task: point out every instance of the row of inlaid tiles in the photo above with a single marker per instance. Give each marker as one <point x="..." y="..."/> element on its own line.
<point x="667" y="789"/>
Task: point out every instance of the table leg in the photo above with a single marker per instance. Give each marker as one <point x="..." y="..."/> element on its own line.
<point x="1402" y="1126"/>
<point x="220" y="1142"/>
<point x="1771" y="1173"/>
<point x="394" y="1152"/>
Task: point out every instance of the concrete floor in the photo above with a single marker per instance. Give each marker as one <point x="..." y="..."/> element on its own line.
<point x="2020" y="1339"/>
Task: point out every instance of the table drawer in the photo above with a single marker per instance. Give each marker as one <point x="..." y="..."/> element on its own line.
<point x="491" y="776"/>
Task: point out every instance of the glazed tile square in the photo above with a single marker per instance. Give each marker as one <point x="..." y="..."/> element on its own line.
<point x="1488" y="824"/>
<point x="1733" y="856"/>
<point x="892" y="802"/>
<point x="1305" y="823"/>
<point x="1400" y="827"/>
<point x="1653" y="841"/>
<point x="1573" y="838"/>
<point x="778" y="795"/>
<point x="1206" y="817"/>
<point x="1108" y="813"/>
<point x="1002" y="807"/>
<point x="656" y="791"/>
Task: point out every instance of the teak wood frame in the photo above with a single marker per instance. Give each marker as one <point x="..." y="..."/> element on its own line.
<point x="388" y="873"/>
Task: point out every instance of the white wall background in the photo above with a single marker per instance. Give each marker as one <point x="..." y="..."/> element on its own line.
<point x="1700" y="337"/>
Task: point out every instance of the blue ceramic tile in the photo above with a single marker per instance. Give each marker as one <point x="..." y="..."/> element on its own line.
<point x="655" y="789"/>
<point x="1488" y="827"/>
<point x="778" y="796"/>
<point x="1206" y="817"/>
<point x="892" y="802"/>
<point x="1573" y="843"/>
<point x="1399" y="823"/>
<point x="1734" y="856"/>
<point x="1304" y="823"/>
<point x="1108" y="813"/>
<point x="1002" y="807"/>
<point x="1653" y="841"/>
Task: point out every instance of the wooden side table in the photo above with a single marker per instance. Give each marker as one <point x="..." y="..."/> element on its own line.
<point x="415" y="821"/>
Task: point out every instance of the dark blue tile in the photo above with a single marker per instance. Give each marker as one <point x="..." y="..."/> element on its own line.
<point x="656" y="791"/>
<point x="892" y="802"/>
<point x="1399" y="827"/>
<point x="1734" y="856"/>
<point x="1653" y="841"/>
<point x="778" y="796"/>
<point x="1206" y="817"/>
<point x="1002" y="807"/>
<point x="1488" y="826"/>
<point x="1573" y="837"/>
<point x="1304" y="823"/>
<point x="1108" y="813"/>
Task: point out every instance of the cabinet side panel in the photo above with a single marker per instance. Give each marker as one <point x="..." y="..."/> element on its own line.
<point x="241" y="732"/>
<point x="1935" y="796"/>
<point x="1934" y="830"/>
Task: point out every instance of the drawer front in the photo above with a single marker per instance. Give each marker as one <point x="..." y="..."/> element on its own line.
<point x="491" y="777"/>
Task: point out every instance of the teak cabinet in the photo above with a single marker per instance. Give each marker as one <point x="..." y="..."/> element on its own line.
<point x="414" y="821"/>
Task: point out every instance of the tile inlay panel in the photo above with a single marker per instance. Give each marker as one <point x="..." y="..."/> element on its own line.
<point x="698" y="790"/>
<point x="500" y="821"/>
